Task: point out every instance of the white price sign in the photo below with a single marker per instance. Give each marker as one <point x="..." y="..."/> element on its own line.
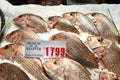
<point x="45" y="49"/>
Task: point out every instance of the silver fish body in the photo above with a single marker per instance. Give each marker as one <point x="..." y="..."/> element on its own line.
<point x="62" y="24"/>
<point x="105" y="26"/>
<point x="12" y="72"/>
<point x="65" y="69"/>
<point x="82" y="22"/>
<point x="33" y="22"/>
<point x="76" y="49"/>
<point x="15" y="52"/>
<point x="19" y="36"/>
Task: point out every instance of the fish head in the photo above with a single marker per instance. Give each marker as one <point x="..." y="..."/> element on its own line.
<point x="22" y="20"/>
<point x="54" y="67"/>
<point x="13" y="36"/>
<point x="93" y="16"/>
<point x="97" y="41"/>
<point x="59" y="36"/>
<point x="11" y="50"/>
<point x="70" y="15"/>
<point x="6" y="49"/>
<point x="52" y="20"/>
<point x="2" y="50"/>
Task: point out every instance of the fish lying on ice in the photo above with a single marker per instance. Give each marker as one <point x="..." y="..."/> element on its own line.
<point x="15" y="52"/>
<point x="22" y="34"/>
<point x="33" y="22"/>
<point x="105" y="26"/>
<point x="62" y="24"/>
<point x="76" y="49"/>
<point x="65" y="69"/>
<point x="109" y="57"/>
<point x="82" y="22"/>
<point x="11" y="72"/>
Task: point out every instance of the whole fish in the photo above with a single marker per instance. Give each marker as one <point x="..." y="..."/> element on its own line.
<point x="11" y="72"/>
<point x="76" y="49"/>
<point x="15" y="52"/>
<point x="62" y="24"/>
<point x="65" y="69"/>
<point x="19" y="36"/>
<point x="33" y="22"/>
<point x="105" y="26"/>
<point x="82" y="22"/>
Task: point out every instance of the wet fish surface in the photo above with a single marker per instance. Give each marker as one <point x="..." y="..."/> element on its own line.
<point x="19" y="36"/>
<point x="109" y="57"/>
<point x="33" y="22"/>
<point x="65" y="69"/>
<point x="52" y="20"/>
<point x="112" y="59"/>
<point x="82" y="22"/>
<point x="11" y="72"/>
<point x="105" y="26"/>
<point x="15" y="52"/>
<point x="96" y="41"/>
<point x="62" y="24"/>
<point x="76" y="49"/>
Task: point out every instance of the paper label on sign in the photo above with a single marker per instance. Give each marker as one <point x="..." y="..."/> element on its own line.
<point x="45" y="49"/>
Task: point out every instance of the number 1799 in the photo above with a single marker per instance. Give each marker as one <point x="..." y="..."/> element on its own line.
<point x="56" y="51"/>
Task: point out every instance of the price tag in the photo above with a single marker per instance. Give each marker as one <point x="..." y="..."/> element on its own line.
<point x="45" y="49"/>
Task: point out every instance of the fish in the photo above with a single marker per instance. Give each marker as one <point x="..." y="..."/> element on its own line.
<point x="11" y="72"/>
<point x="109" y="57"/>
<point x="34" y="22"/>
<point x="82" y="22"/>
<point x="16" y="52"/>
<point x="20" y="35"/>
<point x="76" y="49"/>
<point x="112" y="58"/>
<point x="105" y="26"/>
<point x="65" y="69"/>
<point x="61" y="23"/>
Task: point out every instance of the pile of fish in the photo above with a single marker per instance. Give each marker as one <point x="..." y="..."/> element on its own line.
<point x="92" y="48"/>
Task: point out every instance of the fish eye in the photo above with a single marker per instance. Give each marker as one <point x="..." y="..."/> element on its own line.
<point x="93" y="14"/>
<point x="13" y="32"/>
<point x="55" y="62"/>
<point x="20" y="16"/>
<point x="6" y="47"/>
<point x="54" y="37"/>
<point x="100" y="39"/>
<point x="50" y="18"/>
<point x="71" y="14"/>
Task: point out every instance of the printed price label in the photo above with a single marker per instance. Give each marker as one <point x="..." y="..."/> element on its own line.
<point x="45" y="49"/>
